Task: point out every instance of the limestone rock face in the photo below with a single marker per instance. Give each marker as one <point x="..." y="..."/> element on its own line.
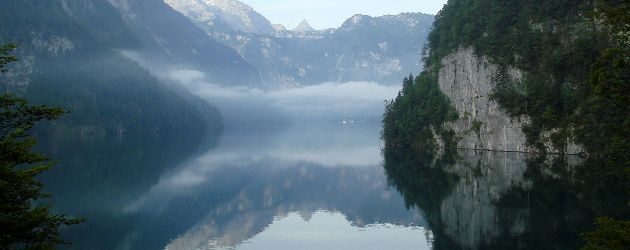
<point x="467" y="80"/>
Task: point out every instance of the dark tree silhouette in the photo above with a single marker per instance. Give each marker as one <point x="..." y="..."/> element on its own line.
<point x="24" y="224"/>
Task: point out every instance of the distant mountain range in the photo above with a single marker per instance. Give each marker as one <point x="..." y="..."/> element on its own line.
<point x="73" y="53"/>
<point x="364" y="48"/>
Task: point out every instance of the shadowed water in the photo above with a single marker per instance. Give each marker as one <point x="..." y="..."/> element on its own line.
<point x="319" y="186"/>
<point x="310" y="186"/>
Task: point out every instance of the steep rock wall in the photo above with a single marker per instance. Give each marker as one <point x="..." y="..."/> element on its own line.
<point x="467" y="80"/>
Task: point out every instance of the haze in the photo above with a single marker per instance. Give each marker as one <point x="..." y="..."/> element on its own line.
<point x="323" y="14"/>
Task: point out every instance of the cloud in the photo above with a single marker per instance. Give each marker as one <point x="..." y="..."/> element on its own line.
<point x="325" y="101"/>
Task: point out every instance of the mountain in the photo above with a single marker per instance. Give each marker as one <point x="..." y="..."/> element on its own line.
<point x="303" y="27"/>
<point x="279" y="27"/>
<point x="364" y="48"/>
<point x="71" y="56"/>
<point x="170" y="38"/>
<point x="541" y="76"/>
<point x="235" y="14"/>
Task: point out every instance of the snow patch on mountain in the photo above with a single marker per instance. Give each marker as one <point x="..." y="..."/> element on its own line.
<point x="279" y="27"/>
<point x="237" y="15"/>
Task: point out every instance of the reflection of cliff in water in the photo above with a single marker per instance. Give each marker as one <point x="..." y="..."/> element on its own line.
<point x="492" y="200"/>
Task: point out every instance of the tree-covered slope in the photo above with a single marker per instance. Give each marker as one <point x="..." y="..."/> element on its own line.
<point x="68" y="59"/>
<point x="571" y="62"/>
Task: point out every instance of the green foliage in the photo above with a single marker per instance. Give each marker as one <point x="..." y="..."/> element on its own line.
<point x="476" y="127"/>
<point x="610" y="234"/>
<point x="418" y="175"/>
<point x="552" y="213"/>
<point x="574" y="56"/>
<point x="418" y="114"/>
<point x="22" y="223"/>
<point x="553" y="42"/>
<point x="5" y="57"/>
<point x="603" y="118"/>
<point x="567" y="50"/>
<point x="575" y="59"/>
<point x="68" y="61"/>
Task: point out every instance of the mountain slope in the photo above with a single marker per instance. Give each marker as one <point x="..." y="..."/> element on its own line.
<point x="76" y="64"/>
<point x="365" y="48"/>
<point x="169" y="37"/>
<point x="232" y="13"/>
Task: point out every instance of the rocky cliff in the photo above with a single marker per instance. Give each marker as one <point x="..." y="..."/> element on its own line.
<point x="468" y="80"/>
<point x="537" y="77"/>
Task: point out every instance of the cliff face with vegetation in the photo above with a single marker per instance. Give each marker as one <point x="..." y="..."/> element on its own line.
<point x="527" y="76"/>
<point x="466" y="79"/>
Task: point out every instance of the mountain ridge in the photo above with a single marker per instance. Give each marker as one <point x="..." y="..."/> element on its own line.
<point x="381" y="49"/>
<point x="235" y="14"/>
<point x="303" y="26"/>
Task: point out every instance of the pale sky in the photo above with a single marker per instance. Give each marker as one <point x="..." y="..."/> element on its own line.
<point x="323" y="14"/>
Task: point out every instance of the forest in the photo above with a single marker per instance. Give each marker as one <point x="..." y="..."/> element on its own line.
<point x="576" y="64"/>
<point x="574" y="55"/>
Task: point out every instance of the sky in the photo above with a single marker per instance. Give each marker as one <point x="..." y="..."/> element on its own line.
<point x="322" y="14"/>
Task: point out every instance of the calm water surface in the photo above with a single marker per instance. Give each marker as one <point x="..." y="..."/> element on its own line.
<point x="305" y="187"/>
<point x="316" y="187"/>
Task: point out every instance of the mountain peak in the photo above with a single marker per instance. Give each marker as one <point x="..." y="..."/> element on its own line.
<point x="304" y="27"/>
<point x="279" y="27"/>
<point x="238" y="15"/>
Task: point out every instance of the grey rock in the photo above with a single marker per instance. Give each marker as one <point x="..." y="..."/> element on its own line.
<point x="466" y="78"/>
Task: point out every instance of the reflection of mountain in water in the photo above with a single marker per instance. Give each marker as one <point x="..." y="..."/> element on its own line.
<point x="142" y="193"/>
<point x="484" y="200"/>
<point x="257" y="191"/>
<point x="96" y="175"/>
<point x="108" y="171"/>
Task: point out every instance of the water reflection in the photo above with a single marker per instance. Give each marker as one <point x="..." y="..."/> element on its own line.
<point x="237" y="195"/>
<point x="486" y="200"/>
<point x="324" y="230"/>
<point x="250" y="180"/>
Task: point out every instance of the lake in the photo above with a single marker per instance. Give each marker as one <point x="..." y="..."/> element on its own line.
<point x="298" y="169"/>
<point x="306" y="187"/>
<point x="323" y="186"/>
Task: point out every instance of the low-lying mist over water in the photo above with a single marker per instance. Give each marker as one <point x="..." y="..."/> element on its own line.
<point x="327" y="102"/>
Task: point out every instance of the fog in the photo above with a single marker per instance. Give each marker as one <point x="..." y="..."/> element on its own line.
<point x="328" y="102"/>
<point x="325" y="102"/>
